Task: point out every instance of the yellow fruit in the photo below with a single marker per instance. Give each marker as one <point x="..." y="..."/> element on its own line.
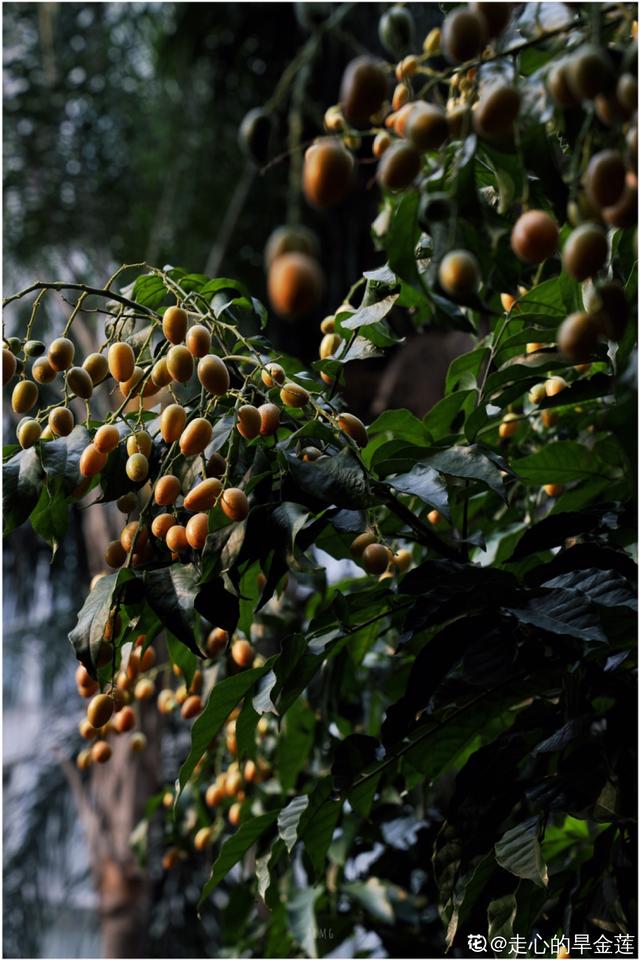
<point x="362" y="541"/>
<point x="577" y="336"/>
<point x="166" y="490"/>
<point x="115" y="554"/>
<point x="217" y="641"/>
<point x="97" y="367"/>
<point x="174" y="324"/>
<point x="216" y="465"/>
<point x="61" y="353"/>
<point x="242" y="653"/>
<point x="160" y="373"/>
<point x="137" y="467"/>
<point x="213" y="375"/>
<point x="100" y="752"/>
<point x="107" y="438"/>
<point x="203" y="496"/>
<point x="537" y="393"/>
<point x="196" y="437"/>
<point x="92" y="461"/>
<point x="363" y="90"/>
<point x="234" y="504"/>
<point x="79" y="382"/>
<point x="203" y="838"/>
<point x="496" y="112"/>
<point x="434" y="517"/>
<point x="463" y="35"/>
<point x="124" y="720"/>
<point x="180" y="364"/>
<point x="329" y="344"/>
<point x="144" y="689"/>
<point x="191" y="707"/>
<point x="426" y="127"/>
<point x="24" y="396"/>
<point x="29" y="432"/>
<point x="402" y="560"/>
<point x="41" y="371"/>
<point x="553" y="489"/>
<point x="534" y="237"/>
<point x="121" y="360"/>
<point x="585" y="251"/>
<point x="376" y="558"/>
<point x="176" y="538"/>
<point x="295" y="284"/>
<point x="555" y="385"/>
<point x="269" y="419"/>
<point x="248" y="421"/>
<point x="197" y="530"/>
<point x="272" y="374"/>
<point x="293" y="395"/>
<point x="133" y="532"/>
<point x="509" y="426"/>
<point x="162" y="524"/>
<point x="459" y="273"/>
<point x="534" y="347"/>
<point x="398" y="166"/>
<point x="215" y="795"/>
<point x="354" y="428"/>
<point x="139" y="442"/>
<point x="235" y="811"/>
<point x="100" y="710"/>
<point x="198" y="340"/>
<point x="137" y="744"/>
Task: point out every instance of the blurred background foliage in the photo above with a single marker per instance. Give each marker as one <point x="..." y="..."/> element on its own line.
<point x="120" y="144"/>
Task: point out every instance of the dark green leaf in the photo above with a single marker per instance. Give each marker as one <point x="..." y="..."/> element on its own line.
<point x="518" y="851"/>
<point x="234" y="848"/>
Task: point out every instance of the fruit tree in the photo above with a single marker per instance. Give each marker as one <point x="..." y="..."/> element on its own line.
<point x="404" y="650"/>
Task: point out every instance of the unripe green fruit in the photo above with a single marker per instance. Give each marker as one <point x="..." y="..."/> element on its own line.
<point x="459" y="274"/>
<point x="376" y="558"/>
<point x="121" y="361"/>
<point x="427" y="127"/>
<point x="174" y="324"/>
<point x="127" y="502"/>
<point x="254" y="135"/>
<point x="605" y="178"/>
<point x="24" y="396"/>
<point x="534" y="237"/>
<point x="495" y="16"/>
<point x="9" y="367"/>
<point x="97" y="367"/>
<point x="61" y="353"/>
<point x="61" y="421"/>
<point x="196" y="437"/>
<point x="589" y="72"/>
<point x="585" y="251"/>
<point x="137" y="467"/>
<point x="29" y="433"/>
<point x="463" y="35"/>
<point x="398" y="167"/>
<point x="34" y="348"/>
<point x="497" y="111"/>
<point x="363" y="90"/>
<point x="577" y="337"/>
<point x="180" y="364"/>
<point x="290" y="240"/>
<point x="100" y="710"/>
<point x="15" y="345"/>
<point x="80" y="382"/>
<point x="362" y="541"/>
<point x="396" y="30"/>
<point x="213" y="375"/>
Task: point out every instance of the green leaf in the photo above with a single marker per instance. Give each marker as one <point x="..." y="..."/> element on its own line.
<point x="170" y="592"/>
<point x="501" y="914"/>
<point x="223" y="698"/>
<point x="149" y="291"/>
<point x="447" y="415"/>
<point x="294" y="743"/>
<point x="470" y="463"/>
<point x="338" y="480"/>
<point x="246" y="730"/>
<point x="22" y="478"/>
<point x="402" y="236"/>
<point x="370" y="314"/>
<point x="182" y="657"/>
<point x="519" y="852"/>
<point x="61" y="460"/>
<point x="50" y="519"/>
<point x="319" y="824"/>
<point x="289" y="820"/>
<point x="563" y="461"/>
<point x="424" y="482"/>
<point x="301" y="918"/>
<point x="234" y="848"/>
<point x="86" y="636"/>
<point x="465" y="370"/>
<point x="373" y="895"/>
